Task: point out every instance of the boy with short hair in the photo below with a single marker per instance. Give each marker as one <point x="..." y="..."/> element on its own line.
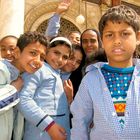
<point x="109" y="93"/>
<point x="33" y="47"/>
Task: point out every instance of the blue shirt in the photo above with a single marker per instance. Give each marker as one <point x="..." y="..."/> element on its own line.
<point x="53" y="26"/>
<point x="93" y="103"/>
<point x="65" y="75"/>
<point x="42" y="100"/>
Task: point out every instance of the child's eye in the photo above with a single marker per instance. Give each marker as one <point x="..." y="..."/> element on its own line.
<point x="109" y="35"/>
<point x="79" y="62"/>
<point x="65" y="57"/>
<point x="56" y="52"/>
<point x="125" y="34"/>
<point x="3" y="49"/>
<point x="12" y="49"/>
<point x="77" y="38"/>
<point x="33" y="53"/>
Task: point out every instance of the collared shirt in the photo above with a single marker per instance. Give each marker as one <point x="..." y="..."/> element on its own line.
<point x="65" y="75"/>
<point x="42" y="101"/>
<point x="14" y="72"/>
<point x="93" y="103"/>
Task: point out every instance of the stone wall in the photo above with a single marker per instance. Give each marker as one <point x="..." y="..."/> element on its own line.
<point x="38" y="12"/>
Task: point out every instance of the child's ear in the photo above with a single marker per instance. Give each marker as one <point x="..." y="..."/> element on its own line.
<point x="138" y="38"/>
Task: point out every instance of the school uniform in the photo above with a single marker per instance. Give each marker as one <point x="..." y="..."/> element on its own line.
<point x="8" y="99"/>
<point x="93" y="103"/>
<point x="53" y="26"/>
<point x="65" y="75"/>
<point x="42" y="101"/>
<point x="16" y="120"/>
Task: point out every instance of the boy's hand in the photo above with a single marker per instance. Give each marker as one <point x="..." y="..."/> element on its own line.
<point x="56" y="132"/>
<point x="18" y="83"/>
<point x="63" y="6"/>
<point x="68" y="88"/>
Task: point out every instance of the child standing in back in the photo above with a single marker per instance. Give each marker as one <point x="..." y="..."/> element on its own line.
<point x="43" y="102"/>
<point x="8" y="47"/>
<point x="109" y="94"/>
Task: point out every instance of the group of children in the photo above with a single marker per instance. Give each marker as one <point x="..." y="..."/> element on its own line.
<point x="107" y="104"/>
<point x="34" y="49"/>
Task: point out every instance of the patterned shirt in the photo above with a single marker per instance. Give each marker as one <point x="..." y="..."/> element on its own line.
<point x="118" y="81"/>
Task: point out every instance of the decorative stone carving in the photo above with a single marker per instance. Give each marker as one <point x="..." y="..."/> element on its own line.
<point x="66" y="27"/>
<point x="42" y="13"/>
<point x="36" y="17"/>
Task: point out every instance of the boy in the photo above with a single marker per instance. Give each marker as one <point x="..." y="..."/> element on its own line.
<point x="109" y="93"/>
<point x="33" y="47"/>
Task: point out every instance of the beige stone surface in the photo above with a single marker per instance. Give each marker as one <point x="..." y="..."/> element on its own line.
<point x="37" y="11"/>
<point x="12" y="17"/>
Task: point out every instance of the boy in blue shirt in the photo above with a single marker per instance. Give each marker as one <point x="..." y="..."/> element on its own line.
<point x="33" y="47"/>
<point x="109" y="93"/>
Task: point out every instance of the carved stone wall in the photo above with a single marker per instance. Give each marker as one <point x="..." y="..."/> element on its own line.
<point x="65" y="28"/>
<point x="38" y="12"/>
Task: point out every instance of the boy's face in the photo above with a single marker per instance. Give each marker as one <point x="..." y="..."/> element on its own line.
<point x="119" y="42"/>
<point x="90" y="43"/>
<point x="57" y="56"/>
<point x="9" y="50"/>
<point x="74" y="38"/>
<point x="73" y="62"/>
<point x="31" y="58"/>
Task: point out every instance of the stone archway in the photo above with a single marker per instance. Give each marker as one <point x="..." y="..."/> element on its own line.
<point x="65" y="28"/>
<point x="37" y="19"/>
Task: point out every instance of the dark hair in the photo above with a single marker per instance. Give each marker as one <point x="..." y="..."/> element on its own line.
<point x="78" y="47"/>
<point x="31" y="37"/>
<point x="119" y="14"/>
<point x="76" y="76"/>
<point x="98" y="36"/>
<point x="9" y="36"/>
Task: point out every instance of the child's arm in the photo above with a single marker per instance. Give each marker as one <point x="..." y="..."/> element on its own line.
<point x="68" y="88"/>
<point x="18" y="83"/>
<point x="54" y="22"/>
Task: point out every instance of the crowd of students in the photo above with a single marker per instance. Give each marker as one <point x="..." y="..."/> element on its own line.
<point x="94" y="76"/>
